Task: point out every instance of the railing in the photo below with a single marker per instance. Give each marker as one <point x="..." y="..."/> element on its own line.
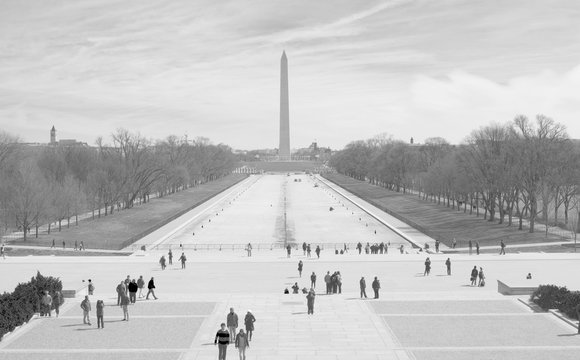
<point x="255" y="247"/>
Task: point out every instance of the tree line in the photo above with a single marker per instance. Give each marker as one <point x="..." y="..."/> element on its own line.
<point x="523" y="169"/>
<point x="51" y="184"/>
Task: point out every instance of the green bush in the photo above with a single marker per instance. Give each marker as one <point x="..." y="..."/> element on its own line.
<point x="549" y="296"/>
<point x="557" y="297"/>
<point x="570" y="303"/>
<point x="19" y="306"/>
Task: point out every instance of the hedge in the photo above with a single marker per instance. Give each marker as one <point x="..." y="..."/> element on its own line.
<point x="19" y="306"/>
<point x="557" y="297"/>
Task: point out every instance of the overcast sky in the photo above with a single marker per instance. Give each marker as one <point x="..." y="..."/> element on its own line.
<point x="357" y="68"/>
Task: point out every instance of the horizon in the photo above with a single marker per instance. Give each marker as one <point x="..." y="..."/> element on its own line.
<point x="405" y="68"/>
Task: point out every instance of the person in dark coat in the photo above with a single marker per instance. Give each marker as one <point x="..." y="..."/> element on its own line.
<point x="133" y="288"/>
<point x="300" y="266"/>
<point x="474" y="274"/>
<point x="310" y="301"/>
<point x="376" y="285"/>
<point x="448" y="265"/>
<point x="249" y="321"/>
<point x="289" y="250"/>
<point x="427" y="267"/>
<point x="313" y="280"/>
<point x="151" y="287"/>
<point x="363" y="287"/>
<point x="317" y="251"/>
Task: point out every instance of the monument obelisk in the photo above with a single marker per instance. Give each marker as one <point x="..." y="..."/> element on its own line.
<point x="284" y="149"/>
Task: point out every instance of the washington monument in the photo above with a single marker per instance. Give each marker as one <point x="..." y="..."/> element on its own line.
<point x="284" y="149"/>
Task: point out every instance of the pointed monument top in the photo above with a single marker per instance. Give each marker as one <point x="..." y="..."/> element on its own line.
<point x="283" y="53"/>
<point x="53" y="129"/>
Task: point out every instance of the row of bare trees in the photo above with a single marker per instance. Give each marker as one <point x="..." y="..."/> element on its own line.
<point x="522" y="169"/>
<point x="51" y="184"/>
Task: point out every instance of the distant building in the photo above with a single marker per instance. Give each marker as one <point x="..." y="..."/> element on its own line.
<point x="63" y="142"/>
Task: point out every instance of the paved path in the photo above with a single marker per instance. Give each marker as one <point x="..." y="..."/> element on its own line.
<point x="417" y="317"/>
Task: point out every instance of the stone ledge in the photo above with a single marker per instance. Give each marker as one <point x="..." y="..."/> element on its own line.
<point x="516" y="289"/>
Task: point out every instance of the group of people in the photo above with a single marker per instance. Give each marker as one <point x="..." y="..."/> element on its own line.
<point x="163" y="261"/>
<point x="127" y="290"/>
<point x="306" y="250"/>
<point x="333" y="282"/>
<point x="375" y="248"/>
<point x="47" y="302"/>
<point x="376" y="286"/>
<point x="477" y="275"/>
<point x="241" y="339"/>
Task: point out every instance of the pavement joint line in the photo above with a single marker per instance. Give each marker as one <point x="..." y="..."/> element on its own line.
<point x="98" y="350"/>
<point x="180" y="316"/>
<point x="494" y="347"/>
<point x="465" y="315"/>
<point x="389" y="338"/>
<point x="207" y="204"/>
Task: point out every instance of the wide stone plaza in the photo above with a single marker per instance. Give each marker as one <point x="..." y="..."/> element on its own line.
<point x="416" y="317"/>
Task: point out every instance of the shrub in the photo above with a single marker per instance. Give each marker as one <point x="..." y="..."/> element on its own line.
<point x="568" y="306"/>
<point x="19" y="306"/>
<point x="549" y="296"/>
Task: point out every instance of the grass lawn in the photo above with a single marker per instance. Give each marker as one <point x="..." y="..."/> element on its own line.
<point x="113" y="232"/>
<point x="439" y="221"/>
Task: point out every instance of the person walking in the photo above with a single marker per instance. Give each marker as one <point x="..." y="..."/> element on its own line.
<point x="363" y="287"/>
<point x="477" y="247"/>
<point x="86" y="306"/>
<point x="63" y="245"/>
<point x="140" y="285"/>
<point x="100" y="314"/>
<point x="133" y="287"/>
<point x="339" y="282"/>
<point x="76" y="246"/>
<point x="437" y="242"/>
<point x="359" y="247"/>
<point x="162" y="262"/>
<point x="222" y="339"/>
<point x="304" y="248"/>
<point x="170" y="257"/>
<point x="232" y="322"/>
<point x="376" y="285"/>
<point x="249" y="249"/>
<point x="427" y="267"/>
<point x="183" y="259"/>
<point x="448" y="266"/>
<point x="310" y="301"/>
<point x="313" y="280"/>
<point x="91" y="287"/>
<point x="481" y="278"/>
<point x="242" y="343"/>
<point x="470" y="247"/>
<point x="308" y="250"/>
<point x="249" y="321"/>
<point x="125" y="307"/>
<point x="46" y="302"/>
<point x="53" y="244"/>
<point x="151" y="287"/>
<point x="317" y="251"/>
<point x="300" y="266"/>
<point x="327" y="279"/>
<point x="57" y="302"/>
<point x="474" y="274"/>
<point x="288" y="250"/>
<point x="454" y="243"/>
<point x="120" y="291"/>
<point x="502" y="246"/>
